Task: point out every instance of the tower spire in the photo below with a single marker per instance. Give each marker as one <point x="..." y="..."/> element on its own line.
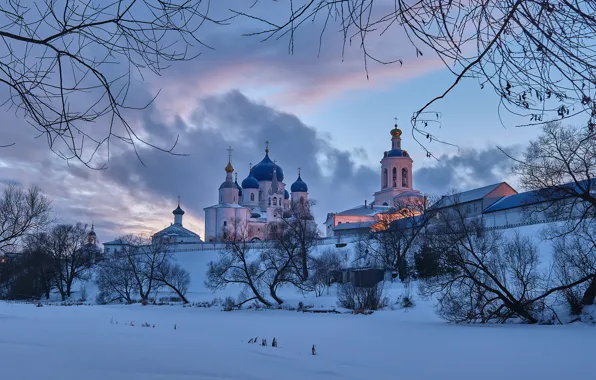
<point x="229" y="168"/>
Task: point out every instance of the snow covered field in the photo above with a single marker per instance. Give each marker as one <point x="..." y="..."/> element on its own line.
<point x="98" y="342"/>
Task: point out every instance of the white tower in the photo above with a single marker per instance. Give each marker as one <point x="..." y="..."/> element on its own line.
<point x="396" y="171"/>
<point x="250" y="190"/>
<point x="275" y="198"/>
<point x="228" y="191"/>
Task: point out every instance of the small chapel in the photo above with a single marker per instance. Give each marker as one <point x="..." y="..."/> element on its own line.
<point x="253" y="206"/>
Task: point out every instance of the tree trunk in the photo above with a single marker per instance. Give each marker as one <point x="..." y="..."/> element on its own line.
<point x="274" y="295"/>
<point x="590" y="293"/>
<point x="175" y="289"/>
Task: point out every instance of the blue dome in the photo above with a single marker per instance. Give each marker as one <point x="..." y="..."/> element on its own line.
<point x="397" y="153"/>
<point x="239" y="188"/>
<point x="250" y="182"/>
<point x="286" y="194"/>
<point x="178" y="211"/>
<point x="263" y="171"/>
<point x="299" y="186"/>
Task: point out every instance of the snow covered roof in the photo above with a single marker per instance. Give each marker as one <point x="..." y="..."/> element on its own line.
<point x="117" y="242"/>
<point x="364" y="211"/>
<point x="467" y="196"/>
<point x="226" y="205"/>
<point x="176" y="230"/>
<point x="537" y="196"/>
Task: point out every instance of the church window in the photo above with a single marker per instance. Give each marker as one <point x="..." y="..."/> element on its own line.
<point x="220" y="198"/>
<point x="225" y="223"/>
<point x="385" y="204"/>
<point x="274" y="201"/>
<point x="475" y="207"/>
<point x="252" y="196"/>
<point x="404" y="177"/>
<point x="385" y="174"/>
<point x="269" y="201"/>
<point x="301" y="200"/>
<point x="394" y="177"/>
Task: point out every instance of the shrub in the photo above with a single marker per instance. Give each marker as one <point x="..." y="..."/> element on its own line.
<point x="361" y="298"/>
<point x="228" y="304"/>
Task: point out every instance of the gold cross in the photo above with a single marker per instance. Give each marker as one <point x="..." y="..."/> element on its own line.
<point x="230" y="153"/>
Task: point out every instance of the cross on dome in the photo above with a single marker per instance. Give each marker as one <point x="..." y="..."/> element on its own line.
<point x="267" y="146"/>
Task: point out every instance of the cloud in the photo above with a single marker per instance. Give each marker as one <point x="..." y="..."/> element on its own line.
<point x="334" y="177"/>
<point x="469" y="169"/>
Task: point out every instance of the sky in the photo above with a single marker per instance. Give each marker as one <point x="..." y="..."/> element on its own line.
<point x="317" y="107"/>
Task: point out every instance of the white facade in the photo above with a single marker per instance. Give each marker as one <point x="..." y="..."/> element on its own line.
<point x="248" y="210"/>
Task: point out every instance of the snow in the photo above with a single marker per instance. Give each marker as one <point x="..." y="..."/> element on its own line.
<point x="99" y="342"/>
<point x="85" y="342"/>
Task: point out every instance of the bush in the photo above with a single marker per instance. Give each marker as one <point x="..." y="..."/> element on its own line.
<point x="360" y="298"/>
<point x="228" y="304"/>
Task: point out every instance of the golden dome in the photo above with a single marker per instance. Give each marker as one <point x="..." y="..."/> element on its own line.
<point x="229" y="168"/>
<point x="396" y="132"/>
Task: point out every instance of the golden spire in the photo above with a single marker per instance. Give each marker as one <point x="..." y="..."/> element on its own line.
<point x="395" y="132"/>
<point x="229" y="168"/>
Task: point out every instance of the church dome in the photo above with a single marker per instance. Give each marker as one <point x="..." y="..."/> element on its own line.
<point x="299" y="186"/>
<point x="286" y="194"/>
<point x="250" y="182"/>
<point x="263" y="171"/>
<point x="238" y="187"/>
<point x="227" y="185"/>
<point x="397" y="153"/>
<point x="178" y="211"/>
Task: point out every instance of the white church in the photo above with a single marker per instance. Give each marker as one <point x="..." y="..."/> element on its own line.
<point x="261" y="200"/>
<point x="396" y="188"/>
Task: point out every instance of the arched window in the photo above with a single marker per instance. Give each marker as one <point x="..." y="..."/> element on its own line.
<point x="385" y="174"/>
<point x="269" y="201"/>
<point x="274" y="201"/>
<point x="394" y="177"/>
<point x="385" y="204"/>
<point x="404" y="177"/>
<point x="220" y="199"/>
<point x="301" y="199"/>
<point x="252" y="196"/>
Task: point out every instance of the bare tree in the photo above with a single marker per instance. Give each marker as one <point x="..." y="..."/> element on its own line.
<point x="238" y="263"/>
<point x="139" y="269"/>
<point x="324" y="268"/>
<point x="561" y="165"/>
<point x="145" y="257"/>
<point x="491" y="278"/>
<point x="40" y="261"/>
<point x="538" y="56"/>
<point x="68" y="65"/>
<point x="22" y="211"/>
<point x="297" y="235"/>
<point x="116" y="281"/>
<point x="397" y="235"/>
<point x="66" y="243"/>
<point x="174" y="277"/>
